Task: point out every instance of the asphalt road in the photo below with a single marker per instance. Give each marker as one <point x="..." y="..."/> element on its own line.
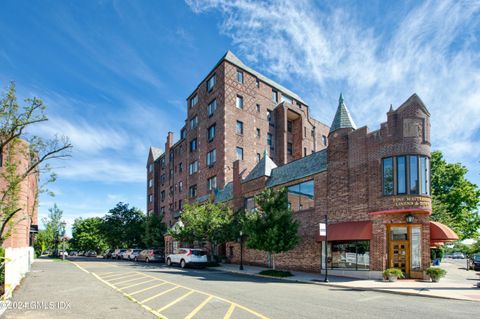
<point x="204" y="293"/>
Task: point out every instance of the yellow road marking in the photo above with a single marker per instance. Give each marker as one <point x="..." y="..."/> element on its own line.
<point x="253" y="312"/>
<point x="158" y="295"/>
<point x="143" y="282"/>
<point x="229" y="311"/>
<point x="80" y="267"/>
<point x="175" y="301"/>
<point x="124" y="282"/>
<point x="122" y="278"/>
<point x="200" y="306"/>
<point x="139" y="291"/>
<point x="109" y="277"/>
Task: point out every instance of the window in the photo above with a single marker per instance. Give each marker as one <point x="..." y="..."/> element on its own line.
<point x="150" y="167"/>
<point x="240" y="76"/>
<point x="413" y="170"/>
<point x="324" y="140"/>
<point x="212" y="106"/>
<point x="239" y="153"/>
<point x="409" y="174"/>
<point x="269" y="116"/>
<point x="150" y="182"/>
<point x="388" y="176"/>
<point x="193" y="145"/>
<point x="258" y="107"/>
<point x="257" y="83"/>
<point x="194" y="100"/>
<point x="401" y="175"/>
<point x="211" y="82"/>
<point x="211" y="157"/>
<point x="259" y="157"/>
<point x="211" y="132"/>
<point x="301" y="196"/>
<point x="192" y="191"/>
<point x="249" y="203"/>
<point x="180" y="187"/>
<point x="239" y="102"/>
<point x="162" y="179"/>
<point x="352" y="255"/>
<point x="183" y="133"/>
<point x="274" y="96"/>
<point x="258" y="132"/>
<point x="171" y="156"/>
<point x="193" y="167"/>
<point x="415" y="248"/>
<point x="240" y="127"/>
<point x="180" y="167"/>
<point x="286" y="98"/>
<point x="270" y="139"/>
<point x="290" y="148"/>
<point x="289" y="126"/>
<point x="212" y="183"/>
<point x="180" y="204"/>
<point x="150" y="198"/>
<point x="193" y="122"/>
<point x="304" y="151"/>
<point x="162" y="196"/>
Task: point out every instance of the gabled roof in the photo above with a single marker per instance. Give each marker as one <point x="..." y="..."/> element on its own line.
<point x="306" y="166"/>
<point x="232" y="58"/>
<point x="156" y="152"/>
<point x="342" y="118"/>
<point x="263" y="168"/>
<point x="411" y="100"/>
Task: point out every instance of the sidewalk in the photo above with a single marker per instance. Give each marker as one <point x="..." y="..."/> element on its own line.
<point x="458" y="284"/>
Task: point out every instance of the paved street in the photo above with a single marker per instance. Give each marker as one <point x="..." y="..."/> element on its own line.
<point x="96" y="288"/>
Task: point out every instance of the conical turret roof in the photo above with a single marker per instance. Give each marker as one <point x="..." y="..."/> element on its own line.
<point x="342" y="118"/>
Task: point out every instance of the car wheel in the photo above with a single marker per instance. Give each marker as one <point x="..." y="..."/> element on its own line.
<point x="146" y="260"/>
<point x="182" y="263"/>
<point x="169" y="262"/>
<point x="135" y="259"/>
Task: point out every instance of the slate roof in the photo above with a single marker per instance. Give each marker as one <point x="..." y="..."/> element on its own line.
<point x="342" y="118"/>
<point x="232" y="58"/>
<point x="225" y="194"/>
<point x="156" y="152"/>
<point x="263" y="168"/>
<point x="306" y="166"/>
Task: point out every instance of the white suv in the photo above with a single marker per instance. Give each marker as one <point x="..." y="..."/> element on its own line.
<point x="188" y="257"/>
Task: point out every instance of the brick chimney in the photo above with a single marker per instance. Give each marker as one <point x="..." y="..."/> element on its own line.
<point x="169" y="142"/>
<point x="237" y="186"/>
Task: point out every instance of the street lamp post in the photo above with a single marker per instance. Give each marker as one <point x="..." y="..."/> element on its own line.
<point x="63" y="224"/>
<point x="241" y="250"/>
<point x="326" y="249"/>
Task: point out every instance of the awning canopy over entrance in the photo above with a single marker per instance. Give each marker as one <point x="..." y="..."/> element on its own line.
<point x="348" y="231"/>
<point x="440" y="233"/>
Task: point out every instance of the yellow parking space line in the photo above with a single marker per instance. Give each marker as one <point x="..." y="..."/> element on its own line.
<point x="80" y="267"/>
<point x="253" y="312"/>
<point x="122" y="278"/>
<point x="145" y="289"/>
<point x="200" y="306"/>
<point x="130" y="280"/>
<point x="229" y="312"/>
<point x="115" y="275"/>
<point x="160" y="294"/>
<point x="140" y="283"/>
<point x="175" y="301"/>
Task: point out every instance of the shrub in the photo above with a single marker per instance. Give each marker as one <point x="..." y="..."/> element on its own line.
<point x="276" y="273"/>
<point x="393" y="272"/>
<point x="435" y="272"/>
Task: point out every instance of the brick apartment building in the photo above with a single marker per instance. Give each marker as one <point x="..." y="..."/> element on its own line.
<point x="373" y="186"/>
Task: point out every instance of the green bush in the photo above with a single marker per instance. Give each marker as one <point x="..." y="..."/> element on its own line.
<point x="276" y="273"/>
<point x="433" y="254"/>
<point x="435" y="272"/>
<point x="393" y="272"/>
<point x="2" y="270"/>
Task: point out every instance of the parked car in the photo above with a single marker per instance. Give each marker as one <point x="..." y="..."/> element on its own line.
<point x="107" y="254"/>
<point x="119" y="254"/>
<point x="125" y="253"/>
<point x="62" y="253"/>
<point x="91" y="253"/>
<point x="474" y="262"/>
<point x="73" y="253"/>
<point x="134" y="254"/>
<point x="458" y="255"/>
<point x="151" y="255"/>
<point x="115" y="253"/>
<point x="188" y="257"/>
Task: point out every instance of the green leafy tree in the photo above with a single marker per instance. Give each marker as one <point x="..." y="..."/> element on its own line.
<point x="154" y="232"/>
<point x="17" y="144"/>
<point x="205" y="222"/>
<point x="50" y="236"/>
<point x="455" y="200"/>
<point x="123" y="226"/>
<point x="87" y="235"/>
<point x="271" y="227"/>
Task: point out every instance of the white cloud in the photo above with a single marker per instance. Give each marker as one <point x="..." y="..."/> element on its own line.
<point x="432" y="49"/>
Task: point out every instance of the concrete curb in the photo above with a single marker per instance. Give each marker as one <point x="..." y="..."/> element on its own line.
<point x="405" y="293"/>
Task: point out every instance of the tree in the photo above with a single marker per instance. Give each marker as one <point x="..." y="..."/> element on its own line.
<point x="23" y="156"/>
<point x="50" y="236"/>
<point x="455" y="200"/>
<point x="87" y="234"/>
<point x="271" y="226"/>
<point x="123" y="226"/>
<point x="205" y="222"/>
<point x="154" y="232"/>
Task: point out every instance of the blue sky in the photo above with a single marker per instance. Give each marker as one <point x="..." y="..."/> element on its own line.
<point x="115" y="74"/>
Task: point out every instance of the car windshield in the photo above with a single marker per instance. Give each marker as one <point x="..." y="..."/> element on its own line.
<point x="199" y="252"/>
<point x="476" y="257"/>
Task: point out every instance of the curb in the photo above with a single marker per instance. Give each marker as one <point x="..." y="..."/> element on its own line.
<point x="417" y="294"/>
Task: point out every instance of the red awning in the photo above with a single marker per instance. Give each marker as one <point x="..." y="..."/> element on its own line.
<point x="440" y="233"/>
<point x="348" y="231"/>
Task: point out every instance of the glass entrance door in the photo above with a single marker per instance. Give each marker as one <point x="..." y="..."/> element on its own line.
<point x="399" y="249"/>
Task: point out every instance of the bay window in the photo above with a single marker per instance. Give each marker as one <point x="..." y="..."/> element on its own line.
<point x="406" y="175"/>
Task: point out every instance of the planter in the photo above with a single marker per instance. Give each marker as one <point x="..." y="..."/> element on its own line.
<point x="435" y="279"/>
<point x="392" y="278"/>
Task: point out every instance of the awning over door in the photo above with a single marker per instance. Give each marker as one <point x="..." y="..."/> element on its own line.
<point x="348" y="231"/>
<point x="440" y="233"/>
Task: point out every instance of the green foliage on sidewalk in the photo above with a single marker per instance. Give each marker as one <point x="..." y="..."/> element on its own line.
<point x="276" y="273"/>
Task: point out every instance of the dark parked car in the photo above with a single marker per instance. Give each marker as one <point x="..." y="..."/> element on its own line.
<point x="107" y="254"/>
<point x="151" y="255"/>
<point x="475" y="262"/>
<point x="91" y="253"/>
